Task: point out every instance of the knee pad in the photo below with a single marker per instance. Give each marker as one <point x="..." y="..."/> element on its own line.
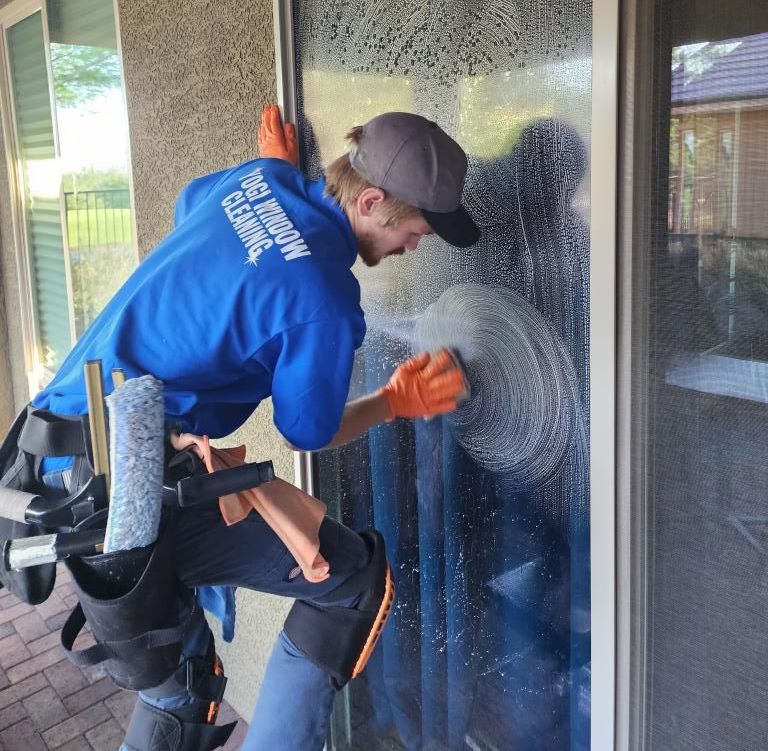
<point x="340" y="640"/>
<point x="190" y="727"/>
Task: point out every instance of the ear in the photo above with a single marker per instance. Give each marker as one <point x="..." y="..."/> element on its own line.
<point x="369" y="200"/>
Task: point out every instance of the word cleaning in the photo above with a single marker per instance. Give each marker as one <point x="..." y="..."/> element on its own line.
<point x="260" y="222"/>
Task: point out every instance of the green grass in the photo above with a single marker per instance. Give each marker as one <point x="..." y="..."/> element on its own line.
<point x="101" y="257"/>
<point x="99" y="227"/>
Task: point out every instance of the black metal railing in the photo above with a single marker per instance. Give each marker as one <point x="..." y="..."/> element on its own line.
<point x="98" y="218"/>
<point x="101" y="248"/>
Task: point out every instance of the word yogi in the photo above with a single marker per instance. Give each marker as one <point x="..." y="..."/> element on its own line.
<point x="262" y="225"/>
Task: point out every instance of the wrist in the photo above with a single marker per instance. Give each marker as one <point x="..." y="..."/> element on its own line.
<point x="385" y="403"/>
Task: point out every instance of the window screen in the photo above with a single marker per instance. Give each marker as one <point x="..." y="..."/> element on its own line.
<point x="701" y="376"/>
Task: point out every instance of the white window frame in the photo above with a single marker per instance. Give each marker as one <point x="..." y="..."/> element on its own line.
<point x="12" y="14"/>
<point x="602" y="369"/>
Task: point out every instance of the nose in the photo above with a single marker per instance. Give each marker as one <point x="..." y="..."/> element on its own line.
<point x="413" y="242"/>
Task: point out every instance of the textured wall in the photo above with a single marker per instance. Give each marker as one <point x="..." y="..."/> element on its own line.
<point x="259" y="617"/>
<point x="6" y="249"/>
<point x="6" y="290"/>
<point x="197" y="75"/>
<point x="13" y="388"/>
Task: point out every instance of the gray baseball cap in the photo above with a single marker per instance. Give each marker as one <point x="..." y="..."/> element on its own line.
<point x="414" y="160"/>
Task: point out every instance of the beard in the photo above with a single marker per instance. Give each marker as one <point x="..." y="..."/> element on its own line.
<point x="367" y="249"/>
<point x="369" y="252"/>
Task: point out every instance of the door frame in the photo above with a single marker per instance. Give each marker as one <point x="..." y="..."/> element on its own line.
<point x="12" y="14"/>
<point x="602" y="369"/>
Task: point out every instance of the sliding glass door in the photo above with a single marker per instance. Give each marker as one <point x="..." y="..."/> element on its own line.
<point x="486" y="512"/>
<point x="67" y="142"/>
<point x="697" y="337"/>
<point x="39" y="177"/>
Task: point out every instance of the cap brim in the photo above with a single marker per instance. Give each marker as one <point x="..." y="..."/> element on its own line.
<point x="455" y="227"/>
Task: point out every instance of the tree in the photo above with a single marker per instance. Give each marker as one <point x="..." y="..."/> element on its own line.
<point x="81" y="73"/>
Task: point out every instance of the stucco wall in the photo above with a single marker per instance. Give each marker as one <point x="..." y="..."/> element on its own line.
<point x="6" y="247"/>
<point x="197" y="75"/>
<point x="12" y="377"/>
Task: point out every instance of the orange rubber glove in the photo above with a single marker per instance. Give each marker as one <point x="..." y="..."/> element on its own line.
<point x="425" y="386"/>
<point x="275" y="139"/>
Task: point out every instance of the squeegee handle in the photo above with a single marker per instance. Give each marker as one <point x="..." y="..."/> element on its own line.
<point x="205" y="488"/>
<point x="35" y="551"/>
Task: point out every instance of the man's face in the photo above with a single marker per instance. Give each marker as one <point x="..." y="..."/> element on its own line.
<point x="376" y="242"/>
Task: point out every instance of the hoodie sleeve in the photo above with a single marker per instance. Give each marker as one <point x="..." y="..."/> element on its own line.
<point x="310" y="385"/>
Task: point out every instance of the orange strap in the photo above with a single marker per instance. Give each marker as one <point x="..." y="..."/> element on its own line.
<point x="385" y="609"/>
<point x="213" y="709"/>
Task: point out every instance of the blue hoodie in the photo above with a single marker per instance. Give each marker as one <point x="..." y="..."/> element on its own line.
<point x="250" y="295"/>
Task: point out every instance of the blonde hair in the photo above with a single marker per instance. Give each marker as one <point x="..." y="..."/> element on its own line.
<point x="345" y="185"/>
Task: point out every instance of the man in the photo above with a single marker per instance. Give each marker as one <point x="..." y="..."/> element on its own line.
<point x="250" y="296"/>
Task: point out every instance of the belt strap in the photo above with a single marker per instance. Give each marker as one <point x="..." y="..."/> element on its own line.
<point x="198" y="676"/>
<point x="107" y="650"/>
<point x="45" y="434"/>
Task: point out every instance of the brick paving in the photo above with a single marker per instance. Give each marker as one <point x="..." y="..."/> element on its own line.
<point x="47" y="703"/>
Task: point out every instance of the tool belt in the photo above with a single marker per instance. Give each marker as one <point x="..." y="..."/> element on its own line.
<point x="138" y="612"/>
<point x="132" y="600"/>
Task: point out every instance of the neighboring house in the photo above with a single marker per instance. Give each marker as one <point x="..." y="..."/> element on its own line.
<point x="718" y="181"/>
<point x="718" y="168"/>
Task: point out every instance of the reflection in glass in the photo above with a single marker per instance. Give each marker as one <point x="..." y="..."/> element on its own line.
<point x="485" y="513"/>
<point x="40" y="177"/>
<point x="718" y="223"/>
<point x="93" y="145"/>
<point x="701" y="408"/>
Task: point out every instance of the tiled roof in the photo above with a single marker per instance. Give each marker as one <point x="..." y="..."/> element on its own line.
<point x="720" y="71"/>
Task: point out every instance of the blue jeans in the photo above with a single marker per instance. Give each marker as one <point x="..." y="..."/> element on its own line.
<point x="293" y="710"/>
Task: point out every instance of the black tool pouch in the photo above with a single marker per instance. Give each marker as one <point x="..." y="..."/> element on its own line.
<point x="28" y="507"/>
<point x="31" y="585"/>
<point x="138" y="612"/>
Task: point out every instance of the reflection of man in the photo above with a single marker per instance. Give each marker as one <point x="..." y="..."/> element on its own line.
<point x="251" y="296"/>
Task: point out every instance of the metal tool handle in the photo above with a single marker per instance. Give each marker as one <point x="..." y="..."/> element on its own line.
<point x="204" y="488"/>
<point x="198" y="489"/>
<point x="94" y="391"/>
<point x="35" y="551"/>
